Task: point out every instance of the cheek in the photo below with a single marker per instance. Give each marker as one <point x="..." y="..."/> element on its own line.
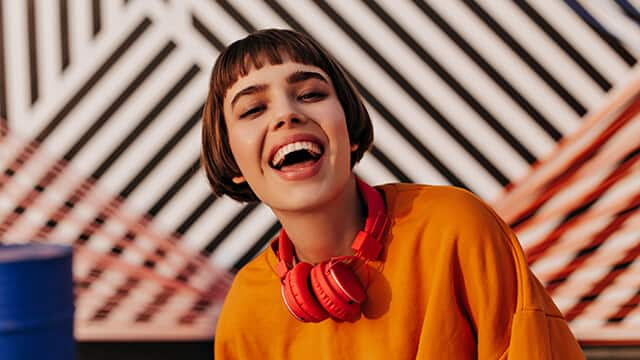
<point x="239" y="138"/>
<point x="240" y="142"/>
<point x="245" y="142"/>
<point x="337" y="126"/>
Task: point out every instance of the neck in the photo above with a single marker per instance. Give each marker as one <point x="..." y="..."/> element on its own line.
<point x="327" y="231"/>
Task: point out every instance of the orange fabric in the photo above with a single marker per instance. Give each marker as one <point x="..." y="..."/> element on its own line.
<point x="452" y="284"/>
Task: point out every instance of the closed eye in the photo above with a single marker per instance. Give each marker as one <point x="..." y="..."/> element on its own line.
<point x="312" y="96"/>
<point x="252" y="111"/>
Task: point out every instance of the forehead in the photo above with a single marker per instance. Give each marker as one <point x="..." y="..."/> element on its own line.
<point x="270" y="74"/>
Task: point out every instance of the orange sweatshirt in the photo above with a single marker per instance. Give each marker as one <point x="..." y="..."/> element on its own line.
<point x="452" y="283"/>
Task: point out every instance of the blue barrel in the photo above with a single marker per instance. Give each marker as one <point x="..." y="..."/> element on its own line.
<point x="36" y="302"/>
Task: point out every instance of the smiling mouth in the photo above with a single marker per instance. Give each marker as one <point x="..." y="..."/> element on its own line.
<point x="296" y="155"/>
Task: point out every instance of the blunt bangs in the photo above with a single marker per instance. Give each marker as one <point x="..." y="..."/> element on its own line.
<point x="259" y="50"/>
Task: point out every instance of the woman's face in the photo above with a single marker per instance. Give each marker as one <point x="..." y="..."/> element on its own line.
<point x="288" y="135"/>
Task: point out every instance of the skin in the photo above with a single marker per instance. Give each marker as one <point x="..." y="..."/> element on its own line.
<point x="321" y="212"/>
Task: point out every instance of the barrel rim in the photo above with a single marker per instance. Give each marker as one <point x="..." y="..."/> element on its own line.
<point x="18" y="253"/>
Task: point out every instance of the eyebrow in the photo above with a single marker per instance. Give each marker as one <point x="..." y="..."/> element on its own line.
<point x="296" y="77"/>
<point x="247" y="91"/>
<point x="300" y="76"/>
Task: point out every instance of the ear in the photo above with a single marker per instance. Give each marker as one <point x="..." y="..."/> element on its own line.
<point x="354" y="147"/>
<point x="238" y="179"/>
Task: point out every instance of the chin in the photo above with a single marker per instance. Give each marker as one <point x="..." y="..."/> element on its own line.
<point x="304" y="197"/>
<point x="300" y="200"/>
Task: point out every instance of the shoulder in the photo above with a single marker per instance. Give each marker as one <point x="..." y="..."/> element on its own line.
<point x="252" y="306"/>
<point x="448" y="220"/>
<point x="250" y="279"/>
<point x="249" y="285"/>
<point x="443" y="204"/>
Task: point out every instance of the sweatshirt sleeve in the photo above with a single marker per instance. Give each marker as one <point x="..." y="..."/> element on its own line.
<point x="223" y="341"/>
<point x="538" y="328"/>
<point x="510" y="312"/>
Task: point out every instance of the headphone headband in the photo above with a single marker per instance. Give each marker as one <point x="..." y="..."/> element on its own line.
<point x="367" y="242"/>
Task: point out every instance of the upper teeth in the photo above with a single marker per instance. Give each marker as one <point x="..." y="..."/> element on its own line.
<point x="289" y="148"/>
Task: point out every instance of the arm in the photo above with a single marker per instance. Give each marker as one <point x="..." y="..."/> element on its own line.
<point x="506" y="309"/>
<point x="536" y="328"/>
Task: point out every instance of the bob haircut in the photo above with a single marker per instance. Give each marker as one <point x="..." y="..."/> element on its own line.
<point x="254" y="51"/>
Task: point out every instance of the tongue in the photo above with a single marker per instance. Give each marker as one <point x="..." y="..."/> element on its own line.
<point x="298" y="165"/>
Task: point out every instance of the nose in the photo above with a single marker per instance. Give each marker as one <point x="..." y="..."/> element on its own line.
<point x="287" y="121"/>
<point x="287" y="116"/>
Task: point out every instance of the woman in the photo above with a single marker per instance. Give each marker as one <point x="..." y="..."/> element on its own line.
<point x="397" y="272"/>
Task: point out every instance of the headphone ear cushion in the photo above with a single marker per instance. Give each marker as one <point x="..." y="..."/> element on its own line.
<point x="329" y="296"/>
<point x="298" y="296"/>
<point x="342" y="278"/>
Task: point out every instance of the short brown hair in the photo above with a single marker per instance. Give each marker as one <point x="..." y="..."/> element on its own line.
<point x="255" y="50"/>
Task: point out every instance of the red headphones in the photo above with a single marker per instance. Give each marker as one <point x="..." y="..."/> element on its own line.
<point x="331" y="288"/>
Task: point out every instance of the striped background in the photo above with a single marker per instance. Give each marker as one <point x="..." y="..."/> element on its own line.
<point x="100" y="145"/>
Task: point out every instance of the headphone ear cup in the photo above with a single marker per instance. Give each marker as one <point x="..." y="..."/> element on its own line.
<point x="330" y="297"/>
<point x="342" y="278"/>
<point x="298" y="296"/>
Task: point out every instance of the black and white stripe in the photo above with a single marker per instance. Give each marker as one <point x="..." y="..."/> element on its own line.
<point x="470" y="93"/>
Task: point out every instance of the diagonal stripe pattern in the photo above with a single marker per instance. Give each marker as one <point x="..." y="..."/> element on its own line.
<point x="531" y="105"/>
